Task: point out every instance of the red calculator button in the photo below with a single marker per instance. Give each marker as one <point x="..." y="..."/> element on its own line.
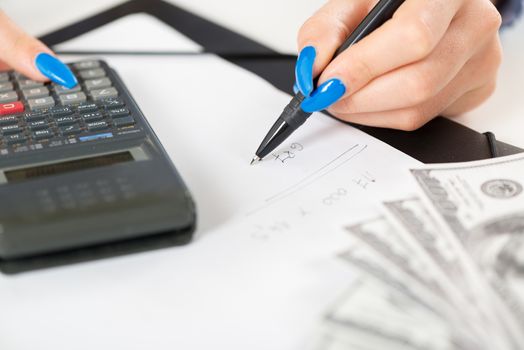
<point x="11" y="108"/>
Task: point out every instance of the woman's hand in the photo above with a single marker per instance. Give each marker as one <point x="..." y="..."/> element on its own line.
<point x="433" y="57"/>
<point x="29" y="56"/>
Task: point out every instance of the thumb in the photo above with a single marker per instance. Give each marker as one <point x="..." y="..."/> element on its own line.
<point x="31" y="57"/>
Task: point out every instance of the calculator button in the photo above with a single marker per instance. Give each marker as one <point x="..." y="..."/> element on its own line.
<point x="93" y="116"/>
<point x="37" y="125"/>
<point x="4" y="77"/>
<point x="9" y="96"/>
<point x="11" y="108"/>
<point x="11" y="129"/>
<point x="60" y="90"/>
<point x="32" y="116"/>
<point x="92" y="73"/>
<point x="61" y="111"/>
<point x="119" y="112"/>
<point x="15" y="139"/>
<point x="97" y="83"/>
<point x="42" y="134"/>
<point x="19" y="76"/>
<point x="70" y="130"/>
<point x="86" y="107"/>
<point x="7" y="86"/>
<point x="106" y="135"/>
<point x="71" y="99"/>
<point x="29" y="84"/>
<point x="87" y="65"/>
<point x="112" y="103"/>
<point x="35" y="92"/>
<point x="125" y="121"/>
<point x="104" y="93"/>
<point x="40" y="103"/>
<point x="8" y="120"/>
<point x="101" y="125"/>
<point x="65" y="120"/>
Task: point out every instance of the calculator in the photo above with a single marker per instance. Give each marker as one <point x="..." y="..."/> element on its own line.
<point x="82" y="167"/>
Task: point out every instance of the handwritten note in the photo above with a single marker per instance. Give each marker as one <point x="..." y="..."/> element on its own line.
<point x="289" y="153"/>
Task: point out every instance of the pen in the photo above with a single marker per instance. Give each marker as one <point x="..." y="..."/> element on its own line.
<point x="293" y="116"/>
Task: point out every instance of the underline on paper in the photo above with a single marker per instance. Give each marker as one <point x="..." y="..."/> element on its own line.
<point x="310" y="179"/>
<point x="310" y="175"/>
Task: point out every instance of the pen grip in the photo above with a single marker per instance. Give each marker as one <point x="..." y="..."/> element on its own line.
<point x="293" y="115"/>
<point x="380" y="14"/>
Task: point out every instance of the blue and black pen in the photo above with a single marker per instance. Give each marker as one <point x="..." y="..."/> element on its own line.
<point x="294" y="115"/>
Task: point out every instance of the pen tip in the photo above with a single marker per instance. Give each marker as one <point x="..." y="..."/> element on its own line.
<point x="255" y="159"/>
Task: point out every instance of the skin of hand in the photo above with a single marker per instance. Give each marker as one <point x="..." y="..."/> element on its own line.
<point x="29" y="56"/>
<point x="434" y="57"/>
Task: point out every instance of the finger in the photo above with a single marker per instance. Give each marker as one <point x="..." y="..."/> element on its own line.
<point x="470" y="100"/>
<point x="488" y="62"/>
<point x="411" y="35"/>
<point x="406" y="119"/>
<point x="329" y="27"/>
<point x="4" y="66"/>
<point x="18" y="49"/>
<point x="466" y="91"/>
<point x="29" y="56"/>
<point x="451" y="102"/>
<point x="413" y="84"/>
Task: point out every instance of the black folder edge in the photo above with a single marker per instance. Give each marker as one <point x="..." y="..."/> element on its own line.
<point x="440" y="141"/>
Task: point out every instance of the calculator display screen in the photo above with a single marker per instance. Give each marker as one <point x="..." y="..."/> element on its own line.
<point x="67" y="166"/>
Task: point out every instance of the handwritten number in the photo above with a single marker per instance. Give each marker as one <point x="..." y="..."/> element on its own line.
<point x="291" y="153"/>
<point x="335" y="197"/>
<point x="364" y="180"/>
<point x="297" y="146"/>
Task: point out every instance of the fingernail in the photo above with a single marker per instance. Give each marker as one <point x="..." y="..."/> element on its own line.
<point x="324" y="96"/>
<point x="295" y="88"/>
<point x="304" y="70"/>
<point x="55" y="70"/>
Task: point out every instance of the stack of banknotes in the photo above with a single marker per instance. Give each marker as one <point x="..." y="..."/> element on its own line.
<point x="440" y="269"/>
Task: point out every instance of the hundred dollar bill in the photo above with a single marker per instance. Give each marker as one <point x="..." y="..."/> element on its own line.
<point x="370" y="309"/>
<point x="482" y="203"/>
<point x="379" y="235"/>
<point x="373" y="265"/>
<point x="412" y="218"/>
<point x="477" y="199"/>
<point x="370" y="263"/>
<point x="406" y="253"/>
<point x="498" y="258"/>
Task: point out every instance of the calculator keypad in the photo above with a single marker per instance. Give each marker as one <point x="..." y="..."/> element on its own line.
<point x="35" y="115"/>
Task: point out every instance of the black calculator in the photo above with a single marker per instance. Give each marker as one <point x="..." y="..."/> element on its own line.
<point x="82" y="167"/>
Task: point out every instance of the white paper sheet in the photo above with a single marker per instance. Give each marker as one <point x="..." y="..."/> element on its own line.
<point x="256" y="280"/>
<point x="262" y="268"/>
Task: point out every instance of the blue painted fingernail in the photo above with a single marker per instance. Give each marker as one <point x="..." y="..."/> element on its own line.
<point x="324" y="96"/>
<point x="304" y="70"/>
<point x="55" y="70"/>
